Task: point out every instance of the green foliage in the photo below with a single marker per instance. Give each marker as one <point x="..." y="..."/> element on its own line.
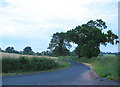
<point x="82" y="51"/>
<point x="31" y="53"/>
<point x="60" y="51"/>
<point x="107" y="67"/>
<point x="47" y="53"/>
<point x="89" y="36"/>
<point x="73" y="53"/>
<point x="11" y="50"/>
<point x="39" y="54"/>
<point x="59" y="44"/>
<point x="27" y="64"/>
<point x="28" y="50"/>
<point x="62" y="62"/>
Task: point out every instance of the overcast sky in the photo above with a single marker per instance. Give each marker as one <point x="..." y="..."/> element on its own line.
<point x="33" y="22"/>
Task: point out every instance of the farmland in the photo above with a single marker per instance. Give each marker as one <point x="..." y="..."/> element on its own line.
<point x="12" y="55"/>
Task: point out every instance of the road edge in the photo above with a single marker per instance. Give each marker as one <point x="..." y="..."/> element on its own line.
<point x="92" y="73"/>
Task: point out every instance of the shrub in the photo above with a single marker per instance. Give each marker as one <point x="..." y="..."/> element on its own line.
<point x="27" y="64"/>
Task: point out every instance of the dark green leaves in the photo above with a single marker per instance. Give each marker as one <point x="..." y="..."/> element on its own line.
<point x="58" y="44"/>
<point x="27" y="64"/>
<point x="28" y="50"/>
<point x="89" y="36"/>
<point x="111" y="37"/>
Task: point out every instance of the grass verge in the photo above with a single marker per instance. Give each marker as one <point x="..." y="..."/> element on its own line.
<point x="104" y="66"/>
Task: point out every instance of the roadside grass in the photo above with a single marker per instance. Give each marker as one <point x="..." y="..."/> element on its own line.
<point x="107" y="67"/>
<point x="104" y="66"/>
<point x="63" y="62"/>
<point x="26" y="65"/>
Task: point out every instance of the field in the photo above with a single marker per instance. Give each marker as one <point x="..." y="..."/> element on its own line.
<point x="108" y="55"/>
<point x="12" y="55"/>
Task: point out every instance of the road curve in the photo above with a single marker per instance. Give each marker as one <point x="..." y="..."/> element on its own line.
<point x="77" y="74"/>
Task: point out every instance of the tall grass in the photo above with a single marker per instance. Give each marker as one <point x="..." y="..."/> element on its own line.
<point x="105" y="66"/>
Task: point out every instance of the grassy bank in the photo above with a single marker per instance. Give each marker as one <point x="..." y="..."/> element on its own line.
<point x="26" y="65"/>
<point x="105" y="66"/>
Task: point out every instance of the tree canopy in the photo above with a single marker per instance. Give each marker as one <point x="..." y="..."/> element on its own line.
<point x="59" y="45"/>
<point x="28" y="50"/>
<point x="11" y="50"/>
<point x="89" y="36"/>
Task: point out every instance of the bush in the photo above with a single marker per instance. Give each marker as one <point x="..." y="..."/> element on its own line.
<point x="27" y="64"/>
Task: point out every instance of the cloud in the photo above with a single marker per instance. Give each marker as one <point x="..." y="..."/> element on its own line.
<point x="33" y="19"/>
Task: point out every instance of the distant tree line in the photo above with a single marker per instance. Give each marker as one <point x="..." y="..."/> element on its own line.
<point x="113" y="53"/>
<point x="26" y="51"/>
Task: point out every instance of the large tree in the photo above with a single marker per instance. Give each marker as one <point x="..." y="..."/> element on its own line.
<point x="59" y="45"/>
<point x="89" y="36"/>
